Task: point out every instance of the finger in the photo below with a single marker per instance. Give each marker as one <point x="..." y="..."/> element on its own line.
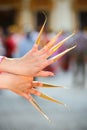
<point x="44" y="63"/>
<point x="53" y="40"/>
<point x="34" y="49"/>
<point x="37" y="84"/>
<point x="27" y="91"/>
<point x="27" y="96"/>
<point x="26" y="86"/>
<point x="51" y="43"/>
<point x="44" y="74"/>
<point x="35" y="92"/>
<point x="46" y="54"/>
<point x="48" y="62"/>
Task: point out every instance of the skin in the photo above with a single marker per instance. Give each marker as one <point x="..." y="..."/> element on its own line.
<point x="35" y="60"/>
<point x="17" y="73"/>
<point x="21" y="85"/>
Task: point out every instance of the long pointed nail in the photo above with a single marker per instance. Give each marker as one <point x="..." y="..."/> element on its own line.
<point x="61" y="42"/>
<point x="46" y="85"/>
<point x="35" y="104"/>
<point x="42" y="95"/>
<point x="55" y="58"/>
<point x="41" y="31"/>
<point x="53" y="100"/>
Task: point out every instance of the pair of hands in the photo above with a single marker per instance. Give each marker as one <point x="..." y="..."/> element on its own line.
<point x="31" y="65"/>
<point x="20" y="78"/>
<point x="21" y="85"/>
<point x="18" y="73"/>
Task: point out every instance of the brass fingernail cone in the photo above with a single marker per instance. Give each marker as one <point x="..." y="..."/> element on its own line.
<point x="42" y="95"/>
<point x="55" y="58"/>
<point x="61" y="42"/>
<point x="40" y="33"/>
<point x="46" y="85"/>
<point x="35" y="104"/>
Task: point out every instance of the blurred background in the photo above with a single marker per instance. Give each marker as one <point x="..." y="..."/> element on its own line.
<point x="20" y="22"/>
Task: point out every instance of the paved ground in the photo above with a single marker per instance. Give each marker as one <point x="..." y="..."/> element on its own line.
<point x="17" y="114"/>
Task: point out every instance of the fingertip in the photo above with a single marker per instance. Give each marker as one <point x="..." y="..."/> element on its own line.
<point x="35" y="47"/>
<point x="51" y="74"/>
<point x="50" y="61"/>
<point x="38" y="93"/>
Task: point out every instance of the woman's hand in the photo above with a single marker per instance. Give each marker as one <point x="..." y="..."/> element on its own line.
<point x="21" y="85"/>
<point x="33" y="62"/>
<point x="30" y="64"/>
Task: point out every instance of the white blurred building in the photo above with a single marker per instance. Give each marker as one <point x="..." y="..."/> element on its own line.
<point x="65" y="15"/>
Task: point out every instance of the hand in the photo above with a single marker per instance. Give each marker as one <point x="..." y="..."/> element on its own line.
<point x="21" y="85"/>
<point x="33" y="62"/>
<point x="30" y="64"/>
<point x="25" y="86"/>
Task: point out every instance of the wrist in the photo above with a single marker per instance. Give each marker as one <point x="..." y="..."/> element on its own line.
<point x="6" y="64"/>
<point x="10" y="65"/>
<point x="1" y="58"/>
<point x="3" y="82"/>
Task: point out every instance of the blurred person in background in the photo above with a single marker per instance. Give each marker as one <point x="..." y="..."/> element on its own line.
<point x="25" y="44"/>
<point x="17" y="35"/>
<point x="9" y="43"/>
<point x="2" y="49"/>
<point x="80" y="58"/>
